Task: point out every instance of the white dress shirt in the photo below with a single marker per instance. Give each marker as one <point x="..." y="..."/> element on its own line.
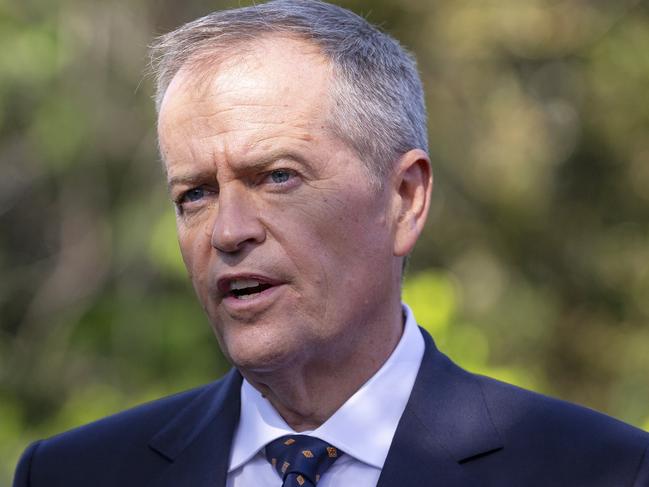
<point x="363" y="427"/>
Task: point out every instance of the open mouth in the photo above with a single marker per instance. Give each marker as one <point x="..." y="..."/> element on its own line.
<point x="246" y="288"/>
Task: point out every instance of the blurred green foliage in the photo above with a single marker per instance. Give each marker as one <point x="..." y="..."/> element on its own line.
<point x="534" y="267"/>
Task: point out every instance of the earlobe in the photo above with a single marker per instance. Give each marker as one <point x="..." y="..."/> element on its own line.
<point x="413" y="187"/>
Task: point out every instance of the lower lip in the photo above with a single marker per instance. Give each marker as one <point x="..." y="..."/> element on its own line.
<point x="255" y="302"/>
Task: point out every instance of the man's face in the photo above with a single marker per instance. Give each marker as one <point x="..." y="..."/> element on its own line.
<point x="289" y="245"/>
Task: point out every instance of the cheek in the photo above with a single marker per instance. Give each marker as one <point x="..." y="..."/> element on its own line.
<point x="329" y="231"/>
<point x="194" y="243"/>
<point x="351" y="226"/>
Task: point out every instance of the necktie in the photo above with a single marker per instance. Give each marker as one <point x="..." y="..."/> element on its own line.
<point x="300" y="460"/>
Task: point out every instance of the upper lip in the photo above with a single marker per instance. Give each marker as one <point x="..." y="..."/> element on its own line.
<point x="223" y="283"/>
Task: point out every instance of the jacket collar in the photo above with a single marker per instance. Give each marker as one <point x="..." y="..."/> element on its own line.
<point x="445" y="424"/>
<point x="197" y="440"/>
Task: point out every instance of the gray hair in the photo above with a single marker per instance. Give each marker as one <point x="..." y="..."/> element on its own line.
<point x="378" y="102"/>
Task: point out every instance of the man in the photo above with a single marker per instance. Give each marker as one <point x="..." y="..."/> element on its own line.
<point x="294" y="140"/>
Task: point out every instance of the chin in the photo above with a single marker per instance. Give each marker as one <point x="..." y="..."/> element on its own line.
<point x="256" y="350"/>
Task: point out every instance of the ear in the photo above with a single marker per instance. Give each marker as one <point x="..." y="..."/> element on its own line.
<point x="412" y="188"/>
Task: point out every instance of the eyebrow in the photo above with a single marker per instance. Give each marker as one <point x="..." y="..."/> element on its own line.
<point x="198" y="176"/>
<point x="188" y="179"/>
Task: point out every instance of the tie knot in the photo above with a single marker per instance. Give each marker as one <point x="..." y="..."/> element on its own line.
<point x="300" y="460"/>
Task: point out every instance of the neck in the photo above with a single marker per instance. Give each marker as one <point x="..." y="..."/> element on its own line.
<point x="307" y="394"/>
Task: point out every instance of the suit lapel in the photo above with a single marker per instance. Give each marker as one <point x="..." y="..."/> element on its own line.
<point x="445" y="424"/>
<point x="197" y="441"/>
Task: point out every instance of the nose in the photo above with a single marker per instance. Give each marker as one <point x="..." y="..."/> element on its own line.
<point x="237" y="221"/>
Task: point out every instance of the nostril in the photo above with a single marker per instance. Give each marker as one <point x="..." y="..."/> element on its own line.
<point x="234" y="239"/>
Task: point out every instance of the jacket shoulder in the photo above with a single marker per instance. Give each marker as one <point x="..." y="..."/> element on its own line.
<point x="107" y="445"/>
<point x="142" y="420"/>
<point x="513" y="408"/>
<point x="565" y="437"/>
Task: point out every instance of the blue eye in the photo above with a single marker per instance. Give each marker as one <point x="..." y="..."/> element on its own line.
<point x="280" y="176"/>
<point x="194" y="194"/>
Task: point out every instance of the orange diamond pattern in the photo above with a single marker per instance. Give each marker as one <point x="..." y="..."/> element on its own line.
<point x="300" y="460"/>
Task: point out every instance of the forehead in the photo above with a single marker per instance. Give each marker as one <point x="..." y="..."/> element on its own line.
<point x="273" y="75"/>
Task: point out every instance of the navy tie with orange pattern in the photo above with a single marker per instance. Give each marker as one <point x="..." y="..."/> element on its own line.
<point x="300" y="460"/>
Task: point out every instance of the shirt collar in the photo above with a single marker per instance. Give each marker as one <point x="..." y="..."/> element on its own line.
<point x="363" y="427"/>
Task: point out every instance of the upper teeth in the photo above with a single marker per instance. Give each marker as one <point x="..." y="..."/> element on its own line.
<point x="242" y="284"/>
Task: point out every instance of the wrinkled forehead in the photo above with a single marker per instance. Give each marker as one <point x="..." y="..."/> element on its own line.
<point x="284" y="72"/>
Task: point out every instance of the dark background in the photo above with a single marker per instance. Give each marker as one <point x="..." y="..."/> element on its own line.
<point x="534" y="266"/>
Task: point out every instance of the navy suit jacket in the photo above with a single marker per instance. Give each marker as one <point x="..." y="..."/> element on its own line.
<point x="458" y="429"/>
